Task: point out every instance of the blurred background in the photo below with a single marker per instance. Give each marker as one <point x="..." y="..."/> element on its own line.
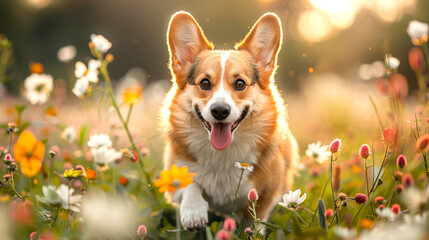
<point x="320" y="35"/>
<point x="332" y="52"/>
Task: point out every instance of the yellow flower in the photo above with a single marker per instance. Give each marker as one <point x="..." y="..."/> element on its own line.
<point x="29" y="153"/>
<point x="174" y="178"/>
<point x="132" y="95"/>
<point x="71" y="173"/>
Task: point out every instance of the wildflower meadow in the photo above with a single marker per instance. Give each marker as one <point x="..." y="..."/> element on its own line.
<point x="81" y="154"/>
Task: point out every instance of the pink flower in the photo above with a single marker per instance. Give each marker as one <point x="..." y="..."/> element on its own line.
<point x="229" y="225"/>
<point x="329" y="212"/>
<point x="423" y="143"/>
<point x="335" y="145"/>
<point x="381" y="207"/>
<point x="141" y="230"/>
<point x="401" y="161"/>
<point x="396" y="208"/>
<point x="364" y="151"/>
<point x="379" y="199"/>
<point x="361" y="198"/>
<point x="223" y="235"/>
<point x="408" y="180"/>
<point x="389" y="135"/>
<point x="399" y="188"/>
<point x="253" y="195"/>
<point x="33" y="236"/>
<point x="248" y="231"/>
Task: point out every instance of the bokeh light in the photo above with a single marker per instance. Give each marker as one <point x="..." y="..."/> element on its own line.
<point x="314" y="26"/>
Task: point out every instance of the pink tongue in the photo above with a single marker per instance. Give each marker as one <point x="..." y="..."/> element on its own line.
<point x="220" y="136"/>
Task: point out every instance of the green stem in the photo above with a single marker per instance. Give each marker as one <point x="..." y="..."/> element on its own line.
<point x="236" y="191"/>
<point x="426" y="54"/>
<point x="178" y="224"/>
<point x="332" y="189"/>
<point x="321" y="197"/>
<point x="367" y="186"/>
<point x="14" y="190"/>
<point x="51" y="171"/>
<point x="129" y="113"/>
<point x="375" y="183"/>
<point x="376" y="110"/>
<point x="355" y="219"/>
<point x="300" y="218"/>
<point x="114" y="181"/>
<point x="104" y="72"/>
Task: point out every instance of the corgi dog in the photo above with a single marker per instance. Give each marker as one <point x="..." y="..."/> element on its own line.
<point x="224" y="107"/>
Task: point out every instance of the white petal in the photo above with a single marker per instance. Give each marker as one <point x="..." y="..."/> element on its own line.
<point x="80" y="69"/>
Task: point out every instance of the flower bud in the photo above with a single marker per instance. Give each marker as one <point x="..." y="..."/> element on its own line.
<point x="408" y="180"/>
<point x="396" y="209"/>
<point x="7" y="177"/>
<point x="229" y="225"/>
<point x="379" y="200"/>
<point x="33" y="236"/>
<point x="123" y="181"/>
<point x="381" y="207"/>
<point x="423" y="143"/>
<point x="335" y="145"/>
<point x="401" y="161"/>
<point x="253" y="195"/>
<point x="329" y="212"/>
<point x="342" y="196"/>
<point x="336" y="182"/>
<point x="398" y="176"/>
<point x="380" y="182"/>
<point x="36" y="67"/>
<point x="416" y="59"/>
<point x="399" y="188"/>
<point x="223" y="235"/>
<point x="248" y="231"/>
<point x="141" y="230"/>
<point x="364" y="151"/>
<point x="360" y="198"/>
<point x="388" y="135"/>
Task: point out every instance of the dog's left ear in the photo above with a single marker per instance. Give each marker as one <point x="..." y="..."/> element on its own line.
<point x="263" y="42"/>
<point x="185" y="41"/>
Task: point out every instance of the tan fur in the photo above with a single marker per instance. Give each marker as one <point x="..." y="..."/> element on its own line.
<point x="276" y="149"/>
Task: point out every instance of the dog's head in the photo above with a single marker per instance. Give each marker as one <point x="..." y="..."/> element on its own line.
<point x="223" y="86"/>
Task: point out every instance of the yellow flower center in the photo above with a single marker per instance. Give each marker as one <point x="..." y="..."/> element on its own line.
<point x="244" y="164"/>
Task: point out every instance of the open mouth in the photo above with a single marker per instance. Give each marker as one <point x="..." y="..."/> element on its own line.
<point x="221" y="133"/>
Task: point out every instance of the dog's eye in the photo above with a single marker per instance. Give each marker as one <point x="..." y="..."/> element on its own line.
<point x="205" y="84"/>
<point x="239" y="84"/>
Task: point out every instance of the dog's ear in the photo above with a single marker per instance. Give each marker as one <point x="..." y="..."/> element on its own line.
<point x="185" y="41"/>
<point x="263" y="42"/>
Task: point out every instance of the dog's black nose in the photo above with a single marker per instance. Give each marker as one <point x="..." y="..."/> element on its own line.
<point x="220" y="112"/>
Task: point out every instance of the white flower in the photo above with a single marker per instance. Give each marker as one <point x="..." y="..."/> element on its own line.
<point x="66" y="53"/>
<point x="90" y="73"/>
<point x="100" y="43"/>
<point x="416" y="199"/>
<point x="63" y="196"/>
<point x="318" y="152"/>
<point x="386" y="213"/>
<point x="345" y="233"/>
<point x="38" y="88"/>
<point x="69" y="134"/>
<point x="99" y="140"/>
<point x="292" y="200"/>
<point x="392" y="63"/>
<point x="418" y="32"/>
<point x="244" y="166"/>
<point x="80" y="88"/>
<point x="103" y="156"/>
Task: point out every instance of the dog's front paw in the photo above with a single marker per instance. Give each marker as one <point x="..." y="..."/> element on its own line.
<point x="194" y="216"/>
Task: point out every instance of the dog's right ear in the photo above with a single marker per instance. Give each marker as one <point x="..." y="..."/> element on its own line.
<point x="185" y="41"/>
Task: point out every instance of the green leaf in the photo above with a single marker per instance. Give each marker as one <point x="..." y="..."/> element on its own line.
<point x="20" y="108"/>
<point x="272" y="226"/>
<point x="322" y="209"/>
<point x="214" y="227"/>
<point x="5" y="79"/>
<point x="209" y="235"/>
<point x="23" y="126"/>
<point x="83" y="135"/>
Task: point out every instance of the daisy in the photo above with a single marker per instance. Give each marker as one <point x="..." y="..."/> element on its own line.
<point x="81" y="88"/>
<point x="292" y="200"/>
<point x="244" y="166"/>
<point x="100" y="43"/>
<point x="386" y="213"/>
<point x="418" y="32"/>
<point x="66" y="53"/>
<point x="90" y="73"/>
<point x="345" y="233"/>
<point x="318" y="152"/>
<point x="392" y="63"/>
<point x="69" y="134"/>
<point x="103" y="156"/>
<point x="61" y="196"/>
<point x="99" y="140"/>
<point x="38" y="88"/>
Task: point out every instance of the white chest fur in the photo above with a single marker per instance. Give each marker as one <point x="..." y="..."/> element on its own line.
<point x="215" y="170"/>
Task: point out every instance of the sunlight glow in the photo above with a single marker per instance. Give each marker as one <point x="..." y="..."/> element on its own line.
<point x="314" y="26"/>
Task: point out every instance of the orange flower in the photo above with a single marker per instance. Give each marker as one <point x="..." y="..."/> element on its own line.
<point x="36" y="67"/>
<point x="174" y="178"/>
<point x="91" y="174"/>
<point x="29" y="153"/>
<point x="389" y="135"/>
<point x="366" y="223"/>
<point x="131" y="95"/>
